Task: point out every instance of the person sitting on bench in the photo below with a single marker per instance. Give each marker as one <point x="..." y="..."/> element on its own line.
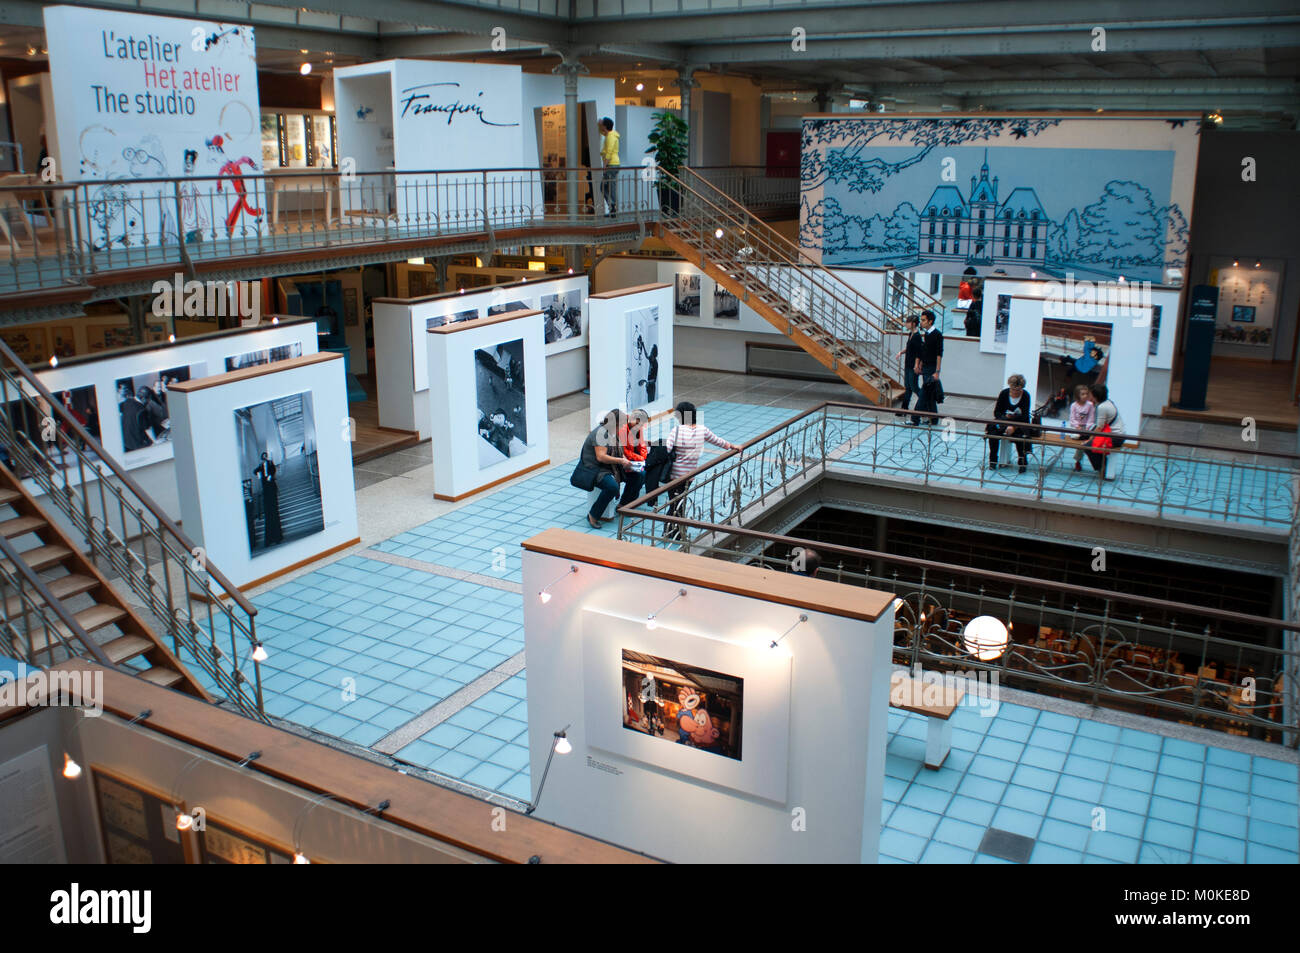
<point x="1010" y="414"/>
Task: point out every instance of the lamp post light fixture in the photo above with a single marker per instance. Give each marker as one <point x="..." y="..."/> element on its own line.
<point x="985" y="637"/>
<point x="544" y="594"/>
<point x="651" y="621"/>
<point x="559" y="745"/>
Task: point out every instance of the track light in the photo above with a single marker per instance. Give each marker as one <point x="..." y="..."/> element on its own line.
<point x="802" y="619"/>
<point x="651" y="622"/>
<point x="545" y="593"/>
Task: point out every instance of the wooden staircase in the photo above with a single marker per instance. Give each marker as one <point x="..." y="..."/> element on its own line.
<point x="98" y="609"/>
<point x="833" y="320"/>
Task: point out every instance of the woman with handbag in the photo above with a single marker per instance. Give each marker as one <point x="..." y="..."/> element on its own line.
<point x="600" y="465"/>
<point x="1104" y="439"/>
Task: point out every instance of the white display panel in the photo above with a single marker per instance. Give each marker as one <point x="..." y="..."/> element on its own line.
<point x="250" y="521"/>
<point x="1126" y="372"/>
<point x="756" y="762"/>
<point x="149" y="441"/>
<point x="487" y="402"/>
<point x="133" y="94"/>
<point x="631" y="347"/>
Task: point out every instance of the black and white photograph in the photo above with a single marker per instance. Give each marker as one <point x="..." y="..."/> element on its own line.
<point x="642" y="357"/>
<point x="142" y="406"/>
<point x="280" y="477"/>
<point x="508" y="307"/>
<point x="725" y="304"/>
<point x="683" y="704"/>
<point x="439" y="320"/>
<point x="265" y="356"/>
<point x="687" y="303"/>
<point x="79" y="403"/>
<point x="502" y="404"/>
<point x="1002" y="323"/>
<point x="562" y="315"/>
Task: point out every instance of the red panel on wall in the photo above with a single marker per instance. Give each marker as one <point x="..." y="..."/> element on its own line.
<point x="782" y="153"/>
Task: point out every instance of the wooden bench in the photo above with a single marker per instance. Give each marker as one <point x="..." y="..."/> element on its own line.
<point x="910" y="694"/>
<point x="1051" y="447"/>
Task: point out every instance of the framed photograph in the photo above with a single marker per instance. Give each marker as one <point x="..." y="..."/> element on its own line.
<point x="687" y="300"/>
<point x="142" y="406"/>
<point x="501" y="402"/>
<point x="82" y="405"/>
<point x="265" y="356"/>
<point x="507" y="307"/>
<point x="279" y="473"/>
<point x="351" y="308"/>
<point x="683" y="704"/>
<point x="725" y="304"/>
<point x="1243" y="314"/>
<point x="438" y="320"/>
<point x="562" y="315"/>
<point x="642" y="357"/>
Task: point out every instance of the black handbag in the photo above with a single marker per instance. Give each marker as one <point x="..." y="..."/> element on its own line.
<point x="585" y="476"/>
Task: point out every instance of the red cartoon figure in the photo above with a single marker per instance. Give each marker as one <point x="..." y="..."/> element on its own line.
<point x="231" y="168"/>
<point x="693" y="724"/>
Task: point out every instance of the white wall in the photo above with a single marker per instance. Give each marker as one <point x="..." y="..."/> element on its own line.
<point x="682" y="805"/>
<point x="634" y="124"/>
<point x="609" y="347"/>
<point x="364" y="120"/>
<point x="453" y="403"/>
<point x="545" y="89"/>
<point x="208" y="463"/>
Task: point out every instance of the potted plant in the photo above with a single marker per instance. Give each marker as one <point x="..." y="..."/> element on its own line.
<point x="668" y="146"/>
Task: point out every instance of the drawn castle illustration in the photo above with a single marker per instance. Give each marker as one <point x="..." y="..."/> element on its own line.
<point x="979" y="231"/>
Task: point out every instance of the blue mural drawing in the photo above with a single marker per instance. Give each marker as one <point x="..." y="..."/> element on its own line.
<point x="879" y="192"/>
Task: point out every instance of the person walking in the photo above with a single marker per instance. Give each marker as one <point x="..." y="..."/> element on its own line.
<point x="911" y="355"/>
<point x="1010" y="414"/>
<point x="928" y="365"/>
<point x="609" y="157"/>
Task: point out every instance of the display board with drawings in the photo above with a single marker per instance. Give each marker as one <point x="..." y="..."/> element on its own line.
<point x="121" y="399"/>
<point x="562" y="300"/>
<point x="137" y="825"/>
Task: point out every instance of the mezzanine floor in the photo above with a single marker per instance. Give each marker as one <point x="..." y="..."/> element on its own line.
<point x="425" y="618"/>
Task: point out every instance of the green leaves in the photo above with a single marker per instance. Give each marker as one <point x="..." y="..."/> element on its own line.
<point x="668" y="142"/>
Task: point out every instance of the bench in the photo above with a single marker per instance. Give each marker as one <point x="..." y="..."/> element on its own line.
<point x="936" y="700"/>
<point x="1051" y="447"/>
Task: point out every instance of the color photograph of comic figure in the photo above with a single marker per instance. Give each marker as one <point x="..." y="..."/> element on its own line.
<point x="683" y="704"/>
<point x="562" y="315"/>
<point x="502" y="405"/>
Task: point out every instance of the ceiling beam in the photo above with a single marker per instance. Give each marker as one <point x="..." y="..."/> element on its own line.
<point x="453" y="17"/>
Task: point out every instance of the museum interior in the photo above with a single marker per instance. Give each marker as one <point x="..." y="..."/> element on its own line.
<point x="516" y="398"/>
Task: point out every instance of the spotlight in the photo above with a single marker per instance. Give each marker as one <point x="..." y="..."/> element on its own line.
<point x="171" y="339"/>
<point x="300" y="858"/>
<point x="71" y="770"/>
<point x="305" y="68"/>
<point x="544" y="593"/>
<point x="1235" y="263"/>
<point x="1258" y="263"/>
<point x="559" y="743"/>
<point x="259" y="652"/>
<point x="54" y="360"/>
<point x="562" y="745"/>
<point x="640" y="87"/>
<point x="184" y="820"/>
<point x="651" y="621"/>
<point x="1121" y="279"/>
<point x="717" y="233"/>
<point x="802" y="618"/>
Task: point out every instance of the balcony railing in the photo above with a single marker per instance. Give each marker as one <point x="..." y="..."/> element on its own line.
<point x="1234" y="671"/>
<point x="756" y="187"/>
<point x="71" y="233"/>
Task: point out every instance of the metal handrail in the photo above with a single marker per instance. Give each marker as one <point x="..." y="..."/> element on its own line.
<point x="914" y="299"/>
<point x="771" y="264"/>
<point x="23" y="581"/>
<point x="106" y="525"/>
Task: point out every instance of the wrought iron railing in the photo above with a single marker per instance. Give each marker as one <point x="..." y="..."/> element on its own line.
<point x="90" y="228"/>
<point x="1231" y="670"/>
<point x="766" y="265"/>
<point x="208" y="620"/>
<point x="37" y="627"/>
<point x="756" y="187"/>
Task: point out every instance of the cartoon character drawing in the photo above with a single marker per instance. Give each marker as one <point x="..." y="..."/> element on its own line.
<point x="693" y="724"/>
<point x="231" y="168"/>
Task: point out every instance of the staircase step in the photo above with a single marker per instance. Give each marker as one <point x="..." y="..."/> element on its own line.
<point x="8" y="496"/>
<point x="65" y="587"/>
<point x="98" y="616"/>
<point x="20" y="525"/>
<point x="40" y="558"/>
<point x="166" y="677"/>
<point x="126" y="647"/>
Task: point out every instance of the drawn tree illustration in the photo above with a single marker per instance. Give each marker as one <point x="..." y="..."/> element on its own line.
<point x="1175" y="235"/>
<point x="1122" y="227"/>
<point x="904" y="228"/>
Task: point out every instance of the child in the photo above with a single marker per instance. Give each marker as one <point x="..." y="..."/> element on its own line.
<point x="1083" y="416"/>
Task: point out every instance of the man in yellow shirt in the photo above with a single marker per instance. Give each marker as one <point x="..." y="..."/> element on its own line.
<point x="609" y="156"/>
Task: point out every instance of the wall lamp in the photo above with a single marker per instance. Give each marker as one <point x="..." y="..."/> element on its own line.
<point x="72" y="770"/>
<point x="184" y="819"/>
<point x="651" y="621"/>
<point x="545" y="592"/>
<point x="559" y="745"/>
<point x="802" y="619"/>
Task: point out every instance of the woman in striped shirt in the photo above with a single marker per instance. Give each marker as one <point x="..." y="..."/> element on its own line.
<point x="685" y="443"/>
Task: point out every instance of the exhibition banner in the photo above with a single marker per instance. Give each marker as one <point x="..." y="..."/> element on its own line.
<point x="147" y="98"/>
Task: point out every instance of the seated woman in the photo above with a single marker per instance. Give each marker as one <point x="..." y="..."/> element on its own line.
<point x="1011" y="414"/>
